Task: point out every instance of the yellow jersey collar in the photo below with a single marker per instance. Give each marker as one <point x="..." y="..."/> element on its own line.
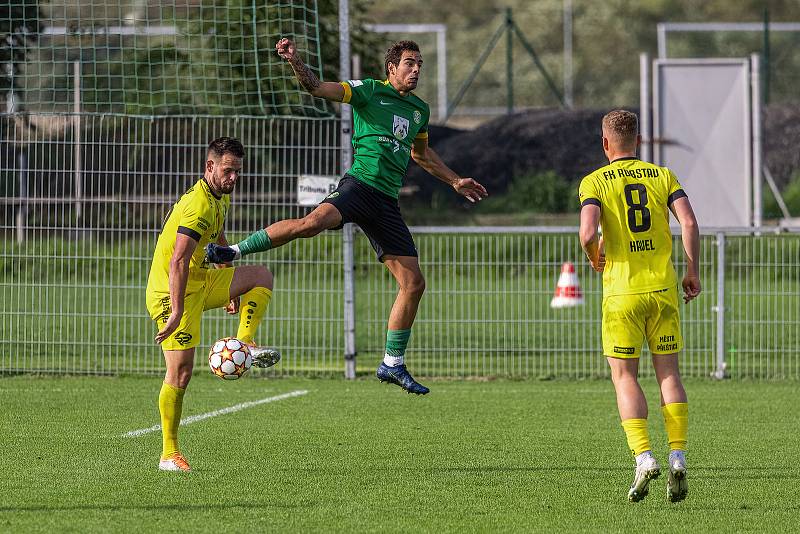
<point x="208" y="187"/>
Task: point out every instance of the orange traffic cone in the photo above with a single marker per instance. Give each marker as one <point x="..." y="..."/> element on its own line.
<point x="568" y="291"/>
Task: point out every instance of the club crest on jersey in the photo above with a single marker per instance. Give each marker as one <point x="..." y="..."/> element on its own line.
<point x="417" y="116"/>
<point x="400" y="127"/>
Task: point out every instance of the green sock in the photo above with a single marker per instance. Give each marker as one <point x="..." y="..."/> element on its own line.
<point x="396" y="343"/>
<point x="255" y="242"/>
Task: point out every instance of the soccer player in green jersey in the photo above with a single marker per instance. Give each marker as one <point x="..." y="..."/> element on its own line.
<point x="632" y="199"/>
<point x="390" y="125"/>
<point x="181" y="285"/>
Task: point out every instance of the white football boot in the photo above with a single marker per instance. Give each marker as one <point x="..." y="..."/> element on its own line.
<point x="176" y="462"/>
<point x="264" y="356"/>
<point x="647" y="469"/>
<point x="677" y="485"/>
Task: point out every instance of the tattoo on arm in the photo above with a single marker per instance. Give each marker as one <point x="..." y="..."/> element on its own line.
<point x="305" y="76"/>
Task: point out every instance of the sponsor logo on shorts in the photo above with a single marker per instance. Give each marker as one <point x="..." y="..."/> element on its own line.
<point x="624" y="350"/>
<point x="333" y="195"/>
<point x="667" y="344"/>
<point x="183" y="338"/>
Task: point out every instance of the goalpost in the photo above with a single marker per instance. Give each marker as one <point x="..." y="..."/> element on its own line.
<point x="441" y="55"/>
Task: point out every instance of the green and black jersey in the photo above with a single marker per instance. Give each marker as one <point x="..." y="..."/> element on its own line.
<point x="385" y="126"/>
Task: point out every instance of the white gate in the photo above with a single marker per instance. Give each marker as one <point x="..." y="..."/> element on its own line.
<point x="704" y="112"/>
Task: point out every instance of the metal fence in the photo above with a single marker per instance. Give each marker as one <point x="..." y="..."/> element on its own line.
<point x="81" y="213"/>
<point x="486" y="312"/>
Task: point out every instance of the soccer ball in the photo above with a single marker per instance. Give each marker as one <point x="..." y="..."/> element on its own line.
<point x="229" y="358"/>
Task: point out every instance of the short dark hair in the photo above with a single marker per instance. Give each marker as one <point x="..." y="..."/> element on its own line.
<point x="395" y="52"/>
<point x="226" y="145"/>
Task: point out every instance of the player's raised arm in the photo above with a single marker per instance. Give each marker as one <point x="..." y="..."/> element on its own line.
<point x="328" y="90"/>
<point x="429" y="160"/>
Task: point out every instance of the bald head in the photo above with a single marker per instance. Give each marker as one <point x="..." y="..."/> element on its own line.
<point x="621" y="128"/>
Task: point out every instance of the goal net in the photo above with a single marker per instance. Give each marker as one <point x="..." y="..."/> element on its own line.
<point x="155" y="58"/>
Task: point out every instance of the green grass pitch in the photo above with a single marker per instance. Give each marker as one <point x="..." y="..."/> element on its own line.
<point x="473" y="456"/>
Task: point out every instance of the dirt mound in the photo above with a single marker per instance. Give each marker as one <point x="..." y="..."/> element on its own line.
<point x="567" y="142"/>
<point x="782" y="141"/>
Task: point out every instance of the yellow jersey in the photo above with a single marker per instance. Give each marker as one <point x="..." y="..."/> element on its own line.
<point x="634" y="198"/>
<point x="198" y="214"/>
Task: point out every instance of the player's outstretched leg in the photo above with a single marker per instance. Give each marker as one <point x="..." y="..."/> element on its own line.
<point x="647" y="469"/>
<point x="677" y="485"/>
<point x="256" y="242"/>
<point x="400" y="376"/>
<point x="221" y="254"/>
<point x="324" y="217"/>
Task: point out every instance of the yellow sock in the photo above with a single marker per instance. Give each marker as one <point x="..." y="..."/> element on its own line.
<point x="253" y="305"/>
<point x="636" y="432"/>
<point x="170" y="404"/>
<point x="676" y="419"/>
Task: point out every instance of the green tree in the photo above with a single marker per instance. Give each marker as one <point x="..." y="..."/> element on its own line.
<point x="226" y="62"/>
<point x="607" y="39"/>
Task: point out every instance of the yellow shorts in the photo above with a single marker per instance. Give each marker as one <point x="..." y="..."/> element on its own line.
<point x="629" y="319"/>
<point x="212" y="293"/>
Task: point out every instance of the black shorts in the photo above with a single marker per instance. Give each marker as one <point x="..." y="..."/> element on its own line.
<point x="376" y="213"/>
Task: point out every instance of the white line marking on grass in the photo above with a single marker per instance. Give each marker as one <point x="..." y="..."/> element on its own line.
<point x="222" y="411"/>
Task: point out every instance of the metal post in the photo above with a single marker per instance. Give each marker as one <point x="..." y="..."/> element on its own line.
<point x="441" y="83"/>
<point x="645" y="152"/>
<point x="77" y="143"/>
<point x="509" y="62"/>
<point x="661" y="30"/>
<point x="720" y="308"/>
<point x="22" y="170"/>
<point x="766" y="56"/>
<point x="755" y="109"/>
<point x="655" y="116"/>
<point x="22" y="212"/>
<point x="346" y="136"/>
<point x="568" y="53"/>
